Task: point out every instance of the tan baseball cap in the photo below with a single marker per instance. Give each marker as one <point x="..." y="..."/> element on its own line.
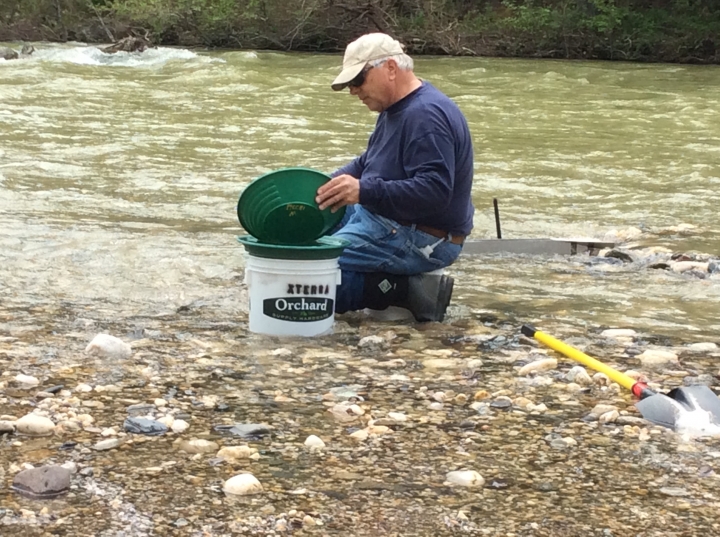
<point x="363" y="50"/>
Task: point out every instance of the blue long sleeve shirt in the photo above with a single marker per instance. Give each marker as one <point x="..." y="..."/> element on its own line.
<point x="418" y="166"/>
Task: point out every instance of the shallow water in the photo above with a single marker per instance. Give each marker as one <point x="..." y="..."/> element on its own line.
<point x="118" y="182"/>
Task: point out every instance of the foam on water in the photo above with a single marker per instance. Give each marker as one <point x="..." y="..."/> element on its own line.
<point x="696" y="423"/>
<point x="90" y="55"/>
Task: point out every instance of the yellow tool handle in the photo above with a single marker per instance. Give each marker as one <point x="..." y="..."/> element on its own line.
<point x="578" y="356"/>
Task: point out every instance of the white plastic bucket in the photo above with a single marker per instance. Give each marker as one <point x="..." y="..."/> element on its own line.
<point x="291" y="297"/>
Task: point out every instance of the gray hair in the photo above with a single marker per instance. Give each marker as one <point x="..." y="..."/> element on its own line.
<point x="404" y="62"/>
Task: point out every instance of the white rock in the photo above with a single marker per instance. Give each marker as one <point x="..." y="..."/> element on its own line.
<point x="34" y="425"/>
<point x="658" y="356"/>
<point x="236" y="452"/>
<point x="360" y="435"/>
<point x="242" y="485"/>
<point x="601" y="379"/>
<point x="546" y="364"/>
<point x="435" y="406"/>
<point x="27" y="380"/>
<point x="160" y="402"/>
<point x="397" y="416"/>
<point x="600" y="409"/>
<point x="371" y="341"/>
<point x="167" y="421"/>
<point x="703" y="347"/>
<point x="578" y="375"/>
<point x="70" y="466"/>
<point x="618" y="333"/>
<point x="180" y="426"/>
<point x="313" y="441"/>
<point x="441" y="363"/>
<point x="466" y="478"/>
<point x="104" y="445"/>
<point x="83" y="388"/>
<point x="197" y="445"/>
<point x="378" y="429"/>
<point x="475" y="363"/>
<point x="109" y="347"/>
<point x="609" y="417"/>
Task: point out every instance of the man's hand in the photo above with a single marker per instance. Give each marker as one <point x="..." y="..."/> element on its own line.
<point x="338" y="192"/>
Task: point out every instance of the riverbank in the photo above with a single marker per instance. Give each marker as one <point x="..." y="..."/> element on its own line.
<point x="587" y="29"/>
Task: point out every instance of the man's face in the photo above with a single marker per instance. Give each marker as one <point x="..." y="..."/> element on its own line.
<point x="376" y="90"/>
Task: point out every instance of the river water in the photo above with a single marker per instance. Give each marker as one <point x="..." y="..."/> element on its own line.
<point x="119" y="177"/>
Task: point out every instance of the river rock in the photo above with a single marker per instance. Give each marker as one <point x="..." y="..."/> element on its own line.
<point x="313" y="441"/>
<point x="198" y="445"/>
<point x="26" y="380"/>
<point x="397" y="416"/>
<point x="658" y="356"/>
<point x="107" y="346"/>
<point x="248" y="431"/>
<point x="34" y="425"/>
<point x="179" y="426"/>
<point x="105" y="445"/>
<point x="236" y="452"/>
<point x="546" y="364"/>
<point x="44" y="482"/>
<point x="600" y="409"/>
<point x="144" y="426"/>
<point x="618" y="333"/>
<point x="579" y="376"/>
<point x="242" y="485"/>
<point x="7" y="426"/>
<point x="465" y="478"/>
<point x="703" y="347"/>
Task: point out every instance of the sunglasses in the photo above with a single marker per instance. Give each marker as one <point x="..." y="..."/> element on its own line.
<point x="359" y="80"/>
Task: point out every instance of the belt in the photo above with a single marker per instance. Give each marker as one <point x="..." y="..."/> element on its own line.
<point x="439" y="233"/>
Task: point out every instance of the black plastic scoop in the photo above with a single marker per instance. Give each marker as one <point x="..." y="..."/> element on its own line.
<point x="698" y="405"/>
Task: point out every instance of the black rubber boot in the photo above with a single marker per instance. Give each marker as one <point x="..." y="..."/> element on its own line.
<point x="427" y="296"/>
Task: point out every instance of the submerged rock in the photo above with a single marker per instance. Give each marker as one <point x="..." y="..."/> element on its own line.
<point x="465" y="478"/>
<point x="144" y="426"/>
<point x="108" y="346"/>
<point x="242" y="485"/>
<point x="249" y="431"/>
<point x="44" y="482"/>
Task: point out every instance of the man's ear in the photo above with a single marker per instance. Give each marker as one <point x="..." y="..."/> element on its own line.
<point x="392" y="69"/>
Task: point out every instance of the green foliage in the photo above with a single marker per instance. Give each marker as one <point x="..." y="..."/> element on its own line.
<point x="665" y="30"/>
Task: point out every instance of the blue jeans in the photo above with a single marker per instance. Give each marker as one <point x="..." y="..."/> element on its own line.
<point x="378" y="244"/>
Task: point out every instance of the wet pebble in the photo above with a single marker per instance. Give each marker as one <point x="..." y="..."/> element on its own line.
<point x="313" y="441"/>
<point x="538" y="366"/>
<point x="249" y="431"/>
<point x="109" y="346"/>
<point x="105" y="445"/>
<point x="26" y="380"/>
<point x="236" y="452"/>
<point x="242" y="485"/>
<point x="144" y="426"/>
<point x="198" y="445"/>
<point x="658" y="356"/>
<point x="465" y="478"/>
<point x="615" y="333"/>
<point x="180" y="426"/>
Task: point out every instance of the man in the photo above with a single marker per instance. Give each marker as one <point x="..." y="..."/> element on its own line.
<point x="408" y="195"/>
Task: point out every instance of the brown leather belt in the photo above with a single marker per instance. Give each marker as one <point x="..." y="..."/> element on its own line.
<point x="439" y="233"/>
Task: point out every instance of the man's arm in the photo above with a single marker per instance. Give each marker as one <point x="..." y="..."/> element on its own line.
<point x="429" y="162"/>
